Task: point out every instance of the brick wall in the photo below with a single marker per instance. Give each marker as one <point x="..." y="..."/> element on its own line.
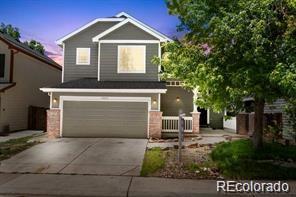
<point x="53" y="123"/>
<point x="155" y="124"/>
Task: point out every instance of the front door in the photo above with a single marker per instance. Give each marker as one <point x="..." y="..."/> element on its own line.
<point x="203" y="117"/>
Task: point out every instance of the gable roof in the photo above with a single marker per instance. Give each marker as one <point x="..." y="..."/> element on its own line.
<point x="128" y="20"/>
<point x="110" y="19"/>
<point x="14" y="44"/>
<point x="122" y="18"/>
<point x="125" y="15"/>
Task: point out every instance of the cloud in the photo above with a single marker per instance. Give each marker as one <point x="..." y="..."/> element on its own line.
<point x="52" y="50"/>
<point x="57" y="57"/>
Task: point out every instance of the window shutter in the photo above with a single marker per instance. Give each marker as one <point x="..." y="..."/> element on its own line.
<point x="2" y="64"/>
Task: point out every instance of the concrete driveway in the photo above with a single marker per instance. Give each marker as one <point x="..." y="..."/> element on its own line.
<point x="101" y="156"/>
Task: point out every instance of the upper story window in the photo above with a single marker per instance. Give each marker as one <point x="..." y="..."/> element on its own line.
<point x="83" y="56"/>
<point x="2" y="65"/>
<point x="131" y="59"/>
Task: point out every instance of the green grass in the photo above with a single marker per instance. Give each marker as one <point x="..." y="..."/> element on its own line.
<point x="153" y="161"/>
<point x="238" y="159"/>
<point x="14" y="146"/>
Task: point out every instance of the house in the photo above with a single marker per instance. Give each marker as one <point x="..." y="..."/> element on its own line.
<point x="22" y="72"/>
<point x="111" y="88"/>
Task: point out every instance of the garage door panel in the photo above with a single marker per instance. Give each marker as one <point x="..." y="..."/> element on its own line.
<point x="105" y="119"/>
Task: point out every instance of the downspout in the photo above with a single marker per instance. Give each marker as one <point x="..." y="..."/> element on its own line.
<point x="12" y="52"/>
<point x="11" y="66"/>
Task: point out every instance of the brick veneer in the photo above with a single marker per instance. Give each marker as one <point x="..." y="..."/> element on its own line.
<point x="195" y="122"/>
<point x="155" y="124"/>
<point x="53" y="123"/>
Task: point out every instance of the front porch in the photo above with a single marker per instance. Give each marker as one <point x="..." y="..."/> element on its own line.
<point x="197" y="120"/>
<point x="170" y="126"/>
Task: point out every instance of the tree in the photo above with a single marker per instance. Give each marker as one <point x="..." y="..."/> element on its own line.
<point x="11" y="31"/>
<point x="37" y="46"/>
<point x="232" y="50"/>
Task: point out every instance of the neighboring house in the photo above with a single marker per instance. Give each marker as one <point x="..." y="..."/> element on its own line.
<point x="110" y="87"/>
<point x="22" y="72"/>
<point x="274" y="116"/>
<point x="278" y="107"/>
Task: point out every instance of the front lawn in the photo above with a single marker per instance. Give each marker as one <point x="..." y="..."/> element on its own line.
<point x="14" y="146"/>
<point x="153" y="161"/>
<point x="196" y="163"/>
<point x="233" y="160"/>
<point x="238" y="159"/>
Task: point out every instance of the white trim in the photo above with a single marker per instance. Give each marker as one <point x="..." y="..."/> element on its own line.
<point x="129" y="20"/>
<point x="61" y="40"/>
<point x="150" y="28"/>
<point x="159" y="99"/>
<point x="131" y="46"/>
<point x="63" y="68"/>
<point x="159" y="56"/>
<point x="50" y="101"/>
<point x="194" y="98"/>
<point x="102" y="99"/>
<point x="104" y="90"/>
<point x="107" y="99"/>
<point x="208" y="116"/>
<point x="131" y="41"/>
<point x="88" y="60"/>
<point x="99" y="60"/>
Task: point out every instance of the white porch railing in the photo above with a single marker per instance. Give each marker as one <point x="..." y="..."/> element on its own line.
<point x="170" y="124"/>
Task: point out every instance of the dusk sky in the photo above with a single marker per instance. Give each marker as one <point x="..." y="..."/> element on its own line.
<point x="48" y="20"/>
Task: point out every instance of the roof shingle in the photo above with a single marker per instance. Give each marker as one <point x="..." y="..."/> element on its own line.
<point x="93" y="83"/>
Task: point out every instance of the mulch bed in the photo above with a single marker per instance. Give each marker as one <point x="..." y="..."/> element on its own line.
<point x="196" y="164"/>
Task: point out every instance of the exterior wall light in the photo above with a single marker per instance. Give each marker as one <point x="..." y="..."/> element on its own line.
<point x="178" y="99"/>
<point x="154" y="101"/>
<point x="55" y="100"/>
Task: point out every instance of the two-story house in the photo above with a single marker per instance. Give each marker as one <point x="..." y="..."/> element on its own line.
<point x="22" y="72"/>
<point x="111" y="88"/>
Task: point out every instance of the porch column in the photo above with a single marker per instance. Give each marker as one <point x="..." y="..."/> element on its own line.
<point x="195" y="122"/>
<point x="194" y="98"/>
<point x="155" y="124"/>
<point x="53" y="123"/>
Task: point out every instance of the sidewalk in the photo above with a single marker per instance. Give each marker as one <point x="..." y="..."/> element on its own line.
<point x="89" y="185"/>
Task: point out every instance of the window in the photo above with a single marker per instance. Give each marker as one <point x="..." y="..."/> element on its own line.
<point x="131" y="59"/>
<point x="83" y="56"/>
<point x="2" y="65"/>
<point x="174" y="83"/>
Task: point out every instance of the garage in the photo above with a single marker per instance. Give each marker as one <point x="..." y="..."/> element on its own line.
<point x="105" y="117"/>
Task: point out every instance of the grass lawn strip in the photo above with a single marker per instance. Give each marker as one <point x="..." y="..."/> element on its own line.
<point x="14" y="146"/>
<point x="153" y="161"/>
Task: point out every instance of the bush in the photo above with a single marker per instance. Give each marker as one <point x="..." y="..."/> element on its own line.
<point x="238" y="159"/>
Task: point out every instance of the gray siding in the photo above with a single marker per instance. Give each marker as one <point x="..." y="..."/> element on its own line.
<point x="83" y="39"/>
<point x="171" y="107"/>
<point x="108" y="64"/>
<point x="105" y="119"/>
<point x="129" y="32"/>
<point x="108" y="54"/>
<point x="278" y="107"/>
